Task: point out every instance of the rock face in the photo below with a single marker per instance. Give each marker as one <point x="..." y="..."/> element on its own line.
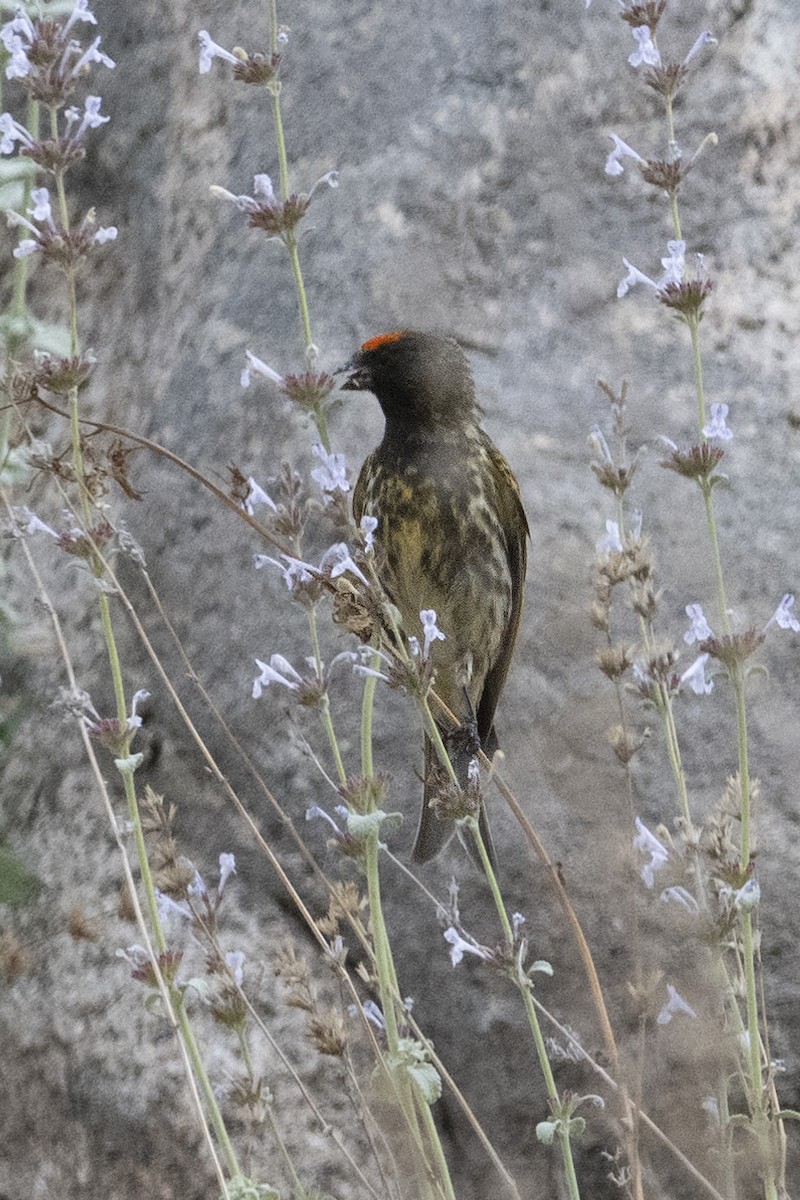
<point x="470" y="141"/>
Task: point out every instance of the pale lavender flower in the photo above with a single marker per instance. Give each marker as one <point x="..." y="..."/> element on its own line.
<point x="700" y="630"/>
<point x="277" y="670"/>
<point x="695" y="677"/>
<point x="234" y="960"/>
<point x="19" y="65"/>
<point x="679" y="895"/>
<point x="361" y="660"/>
<point x="782" y="616"/>
<point x="314" y="813"/>
<point x="611" y="543"/>
<point x="747" y="897"/>
<point x="167" y="907"/>
<point x="674" y="264"/>
<point x="374" y="1014"/>
<point x="598" y="443"/>
<point x="646" y="50"/>
<point x="717" y="426"/>
<point x="648" y="843"/>
<point x="256" y="495"/>
<point x="621" y="150"/>
<point x="338" y="558"/>
<point x="459" y="946"/>
<point x="197" y="887"/>
<point x="10" y="132"/>
<point x="209" y="50"/>
<point x="42" y="210"/>
<point x="92" y="117"/>
<point x="633" y="277"/>
<point x="294" y="570"/>
<point x="675" y="1004"/>
<point x="431" y="631"/>
<point x="706" y="38"/>
<point x="136" y="956"/>
<point x="329" y="179"/>
<point x="30" y="523"/>
<point x="256" y="367"/>
<point x="263" y="194"/>
<point x="332" y="475"/>
<point x="134" y="720"/>
<point x="641" y="674"/>
<point x="227" y="867"/>
<point x="368" y="526"/>
<point x="80" y="13"/>
<point x="91" y="55"/>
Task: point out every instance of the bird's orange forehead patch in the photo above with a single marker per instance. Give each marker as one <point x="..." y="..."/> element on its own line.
<point x="383" y="339"/>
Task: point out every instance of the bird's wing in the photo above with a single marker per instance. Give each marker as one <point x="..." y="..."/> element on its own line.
<point x="360" y="490"/>
<point x="514" y="522"/>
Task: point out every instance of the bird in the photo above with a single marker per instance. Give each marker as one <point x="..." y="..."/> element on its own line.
<point x="452" y="537"/>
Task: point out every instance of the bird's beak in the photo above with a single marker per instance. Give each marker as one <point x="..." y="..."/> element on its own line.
<point x="357" y="380"/>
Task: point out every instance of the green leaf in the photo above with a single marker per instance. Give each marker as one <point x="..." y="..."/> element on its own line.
<point x="428" y="1080"/>
<point x="546" y="1131"/>
<point x="361" y="825"/>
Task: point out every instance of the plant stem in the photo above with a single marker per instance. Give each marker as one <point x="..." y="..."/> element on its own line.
<point x="290" y="237"/>
<point x="524" y="984"/>
<point x="412" y="1103"/>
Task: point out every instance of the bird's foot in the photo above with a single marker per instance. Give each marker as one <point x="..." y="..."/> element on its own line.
<point x="463" y="743"/>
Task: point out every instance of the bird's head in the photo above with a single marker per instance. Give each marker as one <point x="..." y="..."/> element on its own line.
<point x="418" y="378"/>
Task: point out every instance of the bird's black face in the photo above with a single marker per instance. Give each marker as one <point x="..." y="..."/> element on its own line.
<point x="367" y="367"/>
<point x="418" y="378"/>
<point x="359" y="378"/>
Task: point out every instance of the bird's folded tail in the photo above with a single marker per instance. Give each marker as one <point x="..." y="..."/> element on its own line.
<point x="434" y="832"/>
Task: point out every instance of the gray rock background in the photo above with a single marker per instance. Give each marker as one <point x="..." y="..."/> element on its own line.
<point x="470" y="139"/>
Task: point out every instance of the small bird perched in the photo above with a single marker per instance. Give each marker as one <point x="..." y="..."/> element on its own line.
<point x="453" y="537"/>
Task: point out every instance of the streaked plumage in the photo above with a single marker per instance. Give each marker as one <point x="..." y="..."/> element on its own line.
<point x="453" y="532"/>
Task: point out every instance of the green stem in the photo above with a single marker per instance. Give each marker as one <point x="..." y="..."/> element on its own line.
<point x="434" y="733"/>
<point x="552" y="1093"/>
<point x="444" y="1182"/>
<point x="125" y="764"/>
<point x="290" y="238"/>
<point x="697" y="362"/>
<point x="674" y="753"/>
<point x="744" y="768"/>
<point x="324" y="704"/>
<point x="388" y="989"/>
<point x="367" y="709"/>
<point x="722" y="601"/>
<point x="297" y="1187"/>
<point x="524" y="984"/>
<point x="726" y="1141"/>
<point x="494" y="886"/>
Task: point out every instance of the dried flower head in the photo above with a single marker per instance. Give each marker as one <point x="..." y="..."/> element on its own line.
<point x="665" y="78"/>
<point x="686" y="298"/>
<point x="732" y="650"/>
<point x="61" y="375"/>
<point x="698" y="463"/>
<point x="648" y="13"/>
<point x="663" y="174"/>
<point x="327" y="1033"/>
